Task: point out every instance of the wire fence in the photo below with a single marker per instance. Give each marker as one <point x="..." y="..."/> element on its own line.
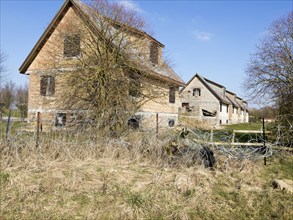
<point x="20" y="142"/>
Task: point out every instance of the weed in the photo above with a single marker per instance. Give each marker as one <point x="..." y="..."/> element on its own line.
<point x="4" y="177"/>
<point x="135" y="200"/>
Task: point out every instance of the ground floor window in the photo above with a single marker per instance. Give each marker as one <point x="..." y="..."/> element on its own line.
<point x="171" y="122"/>
<point x="134" y="122"/>
<point x="185" y="104"/>
<point x="60" y="120"/>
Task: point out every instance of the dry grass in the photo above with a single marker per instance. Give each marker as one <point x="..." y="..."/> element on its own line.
<point x="94" y="177"/>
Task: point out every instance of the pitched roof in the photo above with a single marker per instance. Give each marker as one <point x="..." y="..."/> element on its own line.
<point x="235" y="104"/>
<point x="208" y="84"/>
<point x="240" y="101"/>
<point x="164" y="72"/>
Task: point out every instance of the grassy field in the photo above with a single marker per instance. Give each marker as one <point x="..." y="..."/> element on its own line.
<point x="95" y="177"/>
<point x="244" y="126"/>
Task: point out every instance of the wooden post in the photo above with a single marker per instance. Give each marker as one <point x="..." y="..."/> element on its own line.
<point x="264" y="140"/>
<point x="38" y="129"/>
<point x="157" y="123"/>
<point x="212" y="135"/>
<point x="233" y="138"/>
<point x="8" y="125"/>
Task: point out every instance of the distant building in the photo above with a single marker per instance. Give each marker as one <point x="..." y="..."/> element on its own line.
<point x="207" y="101"/>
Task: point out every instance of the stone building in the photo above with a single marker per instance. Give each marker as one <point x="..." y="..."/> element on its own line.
<point x="207" y="101"/>
<point x="54" y="56"/>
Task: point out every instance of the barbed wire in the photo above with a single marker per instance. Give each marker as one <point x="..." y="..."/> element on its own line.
<point x="69" y="143"/>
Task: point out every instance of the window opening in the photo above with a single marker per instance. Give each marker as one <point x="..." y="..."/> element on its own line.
<point x="134" y="85"/>
<point x="47" y="87"/>
<point x="208" y="113"/>
<point x="72" y="45"/>
<point x="171" y="123"/>
<point x="154" y="53"/>
<point x="172" y="93"/>
<point x="134" y="122"/>
<point x="60" y="120"/>
<point x="196" y="92"/>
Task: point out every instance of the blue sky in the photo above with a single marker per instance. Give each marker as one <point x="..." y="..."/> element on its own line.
<point x="212" y="38"/>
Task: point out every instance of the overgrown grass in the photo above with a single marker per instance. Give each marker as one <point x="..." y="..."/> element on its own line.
<point x="92" y="176"/>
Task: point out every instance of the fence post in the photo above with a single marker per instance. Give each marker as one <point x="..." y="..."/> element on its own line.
<point x="38" y="129"/>
<point x="8" y="125"/>
<point x="264" y="140"/>
<point x="212" y="135"/>
<point x="157" y="123"/>
<point x="233" y="138"/>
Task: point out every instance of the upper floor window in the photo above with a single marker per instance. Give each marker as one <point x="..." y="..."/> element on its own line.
<point x="47" y="85"/>
<point x="134" y="85"/>
<point x="172" y="94"/>
<point x="196" y="92"/>
<point x="72" y="45"/>
<point x="154" y="53"/>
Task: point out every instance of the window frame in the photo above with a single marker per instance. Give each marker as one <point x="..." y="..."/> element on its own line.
<point x="196" y="92"/>
<point x="47" y="85"/>
<point x="134" y="85"/>
<point x="63" y="120"/>
<point x="154" y="53"/>
<point x="172" y="94"/>
<point x="71" y="46"/>
<point x="171" y="123"/>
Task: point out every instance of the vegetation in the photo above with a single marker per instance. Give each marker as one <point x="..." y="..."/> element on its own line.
<point x="245" y="126"/>
<point x="269" y="73"/>
<point x="90" y="175"/>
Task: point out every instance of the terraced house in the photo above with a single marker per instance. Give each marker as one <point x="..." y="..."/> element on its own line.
<point x="63" y="50"/>
<point x="207" y="101"/>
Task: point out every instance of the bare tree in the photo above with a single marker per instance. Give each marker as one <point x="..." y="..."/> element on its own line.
<point x="2" y="80"/>
<point x="21" y="99"/>
<point x="113" y="72"/>
<point x="270" y="71"/>
<point x="8" y="94"/>
<point x="3" y="69"/>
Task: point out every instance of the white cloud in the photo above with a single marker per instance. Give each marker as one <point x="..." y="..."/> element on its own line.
<point x="130" y="5"/>
<point x="202" y="36"/>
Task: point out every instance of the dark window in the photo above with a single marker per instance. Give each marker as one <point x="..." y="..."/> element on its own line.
<point x="220" y="107"/>
<point x="134" y="85"/>
<point x="220" y="122"/>
<point x="154" y="53"/>
<point x="196" y="92"/>
<point x="227" y="121"/>
<point x="185" y="104"/>
<point x="134" y="122"/>
<point x="171" y="122"/>
<point x="71" y="45"/>
<point x="60" y="120"/>
<point x="227" y="108"/>
<point x="172" y="94"/>
<point x="47" y="85"/>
